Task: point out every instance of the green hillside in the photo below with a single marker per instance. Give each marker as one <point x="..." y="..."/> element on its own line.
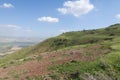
<point x="98" y="51"/>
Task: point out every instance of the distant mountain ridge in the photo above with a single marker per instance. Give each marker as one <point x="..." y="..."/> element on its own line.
<point x="7" y="44"/>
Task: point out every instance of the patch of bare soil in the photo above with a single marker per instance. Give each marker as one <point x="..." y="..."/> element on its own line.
<point x="40" y="68"/>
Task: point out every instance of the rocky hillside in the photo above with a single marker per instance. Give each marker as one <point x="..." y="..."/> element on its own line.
<point x="77" y="55"/>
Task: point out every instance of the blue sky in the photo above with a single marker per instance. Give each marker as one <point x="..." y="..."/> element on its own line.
<point x="45" y="18"/>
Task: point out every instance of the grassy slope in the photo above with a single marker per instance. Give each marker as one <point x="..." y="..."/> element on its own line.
<point x="107" y="66"/>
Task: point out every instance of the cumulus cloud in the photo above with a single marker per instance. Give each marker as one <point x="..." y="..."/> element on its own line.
<point x="76" y="7"/>
<point x="117" y="16"/>
<point x="7" y="5"/>
<point x="48" y="19"/>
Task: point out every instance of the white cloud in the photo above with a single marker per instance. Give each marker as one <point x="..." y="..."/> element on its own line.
<point x="14" y="30"/>
<point x="65" y="30"/>
<point x="7" y="5"/>
<point x="48" y="19"/>
<point x="117" y="16"/>
<point x="28" y="30"/>
<point x="10" y="26"/>
<point x="76" y="7"/>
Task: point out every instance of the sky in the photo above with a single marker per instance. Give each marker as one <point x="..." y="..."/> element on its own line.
<point x="46" y="18"/>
